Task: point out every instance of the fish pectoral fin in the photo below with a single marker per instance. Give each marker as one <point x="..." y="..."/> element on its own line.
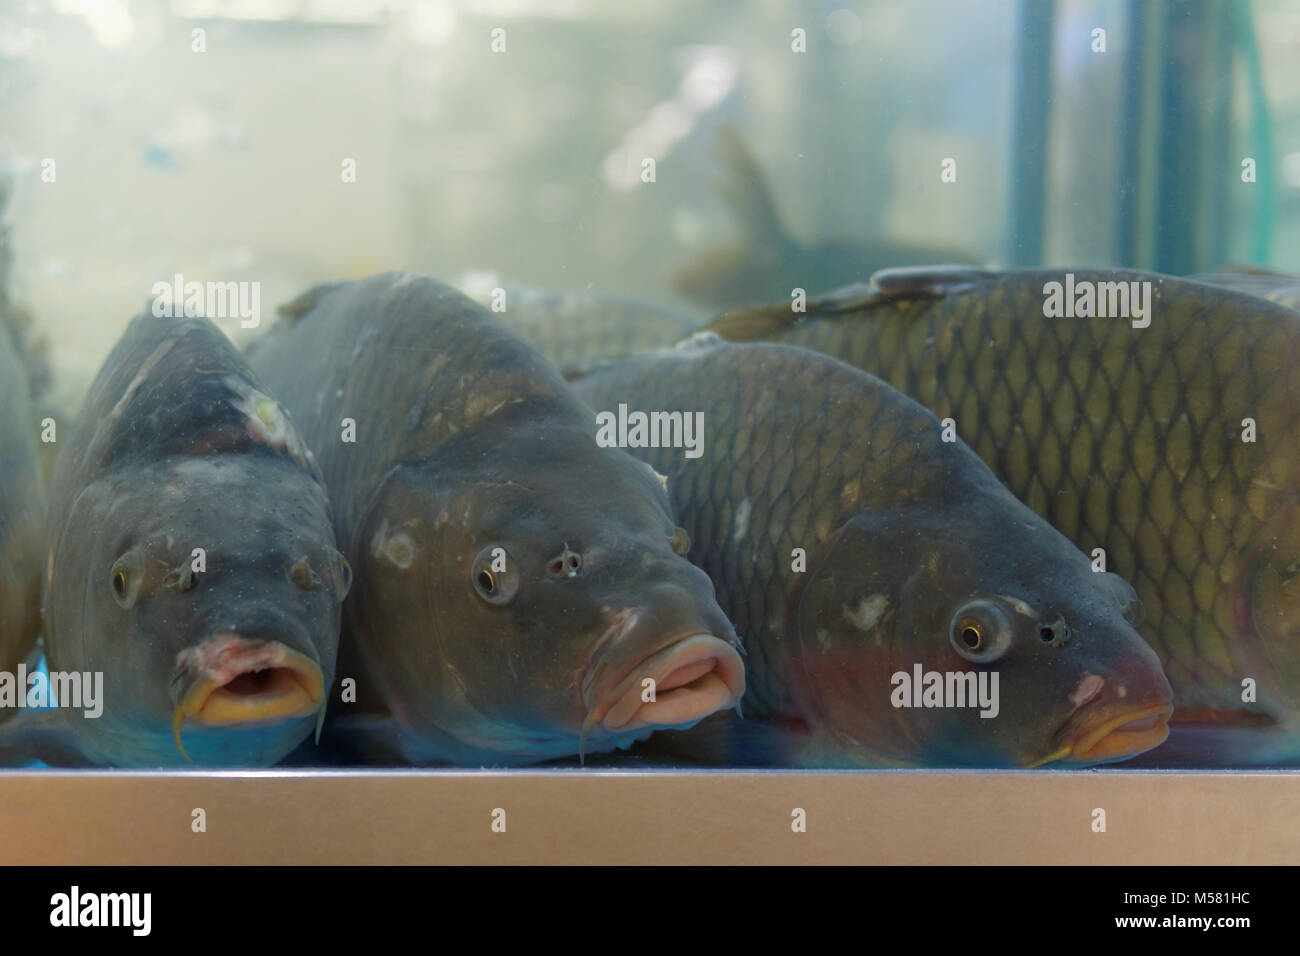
<point x="755" y="325"/>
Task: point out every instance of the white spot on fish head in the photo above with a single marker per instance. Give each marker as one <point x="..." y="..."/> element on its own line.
<point x="397" y="548"/>
<point x="267" y="422"/>
<point x="1019" y="606"/>
<point x="1088" y="688"/>
<point x="740" y="523"/>
<point x="868" y="612"/>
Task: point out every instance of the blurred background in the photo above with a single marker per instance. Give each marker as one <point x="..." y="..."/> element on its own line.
<point x="212" y="139"/>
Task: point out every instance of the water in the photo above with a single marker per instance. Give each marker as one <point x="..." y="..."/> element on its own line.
<point x="620" y="154"/>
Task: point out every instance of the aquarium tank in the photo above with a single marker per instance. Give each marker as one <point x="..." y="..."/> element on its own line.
<point x="581" y="388"/>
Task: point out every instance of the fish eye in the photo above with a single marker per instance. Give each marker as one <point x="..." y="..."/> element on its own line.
<point x="980" y="632"/>
<point x="125" y="579"/>
<point x="497" y="582"/>
<point x="680" y="541"/>
<point x="345" y="577"/>
<point x="302" y="575"/>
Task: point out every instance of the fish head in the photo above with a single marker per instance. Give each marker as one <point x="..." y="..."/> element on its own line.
<point x="973" y="633"/>
<point x="1265" y="611"/>
<point x="537" y="604"/>
<point x="212" y="603"/>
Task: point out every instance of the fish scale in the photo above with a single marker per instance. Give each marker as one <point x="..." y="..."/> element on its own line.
<point x="471" y="484"/>
<point x="178" y="449"/>
<point x="1126" y="439"/>
<point x="802" y="451"/>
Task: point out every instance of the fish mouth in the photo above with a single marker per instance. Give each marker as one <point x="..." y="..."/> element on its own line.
<point x="693" y="677"/>
<point x="1114" y="736"/>
<point x="235" y="681"/>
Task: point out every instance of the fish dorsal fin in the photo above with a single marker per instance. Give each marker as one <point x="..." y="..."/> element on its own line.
<point x="771" y="321"/>
<point x="745" y="188"/>
<point x="929" y="282"/>
<point x="886" y="286"/>
<point x="299" y="306"/>
<point x="1247" y="269"/>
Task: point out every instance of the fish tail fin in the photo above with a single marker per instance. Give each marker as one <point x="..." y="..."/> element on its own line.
<point x="745" y="189"/>
<point x="17" y="319"/>
<point x="717" y="275"/>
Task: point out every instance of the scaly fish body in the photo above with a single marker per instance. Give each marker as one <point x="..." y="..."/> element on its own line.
<point x="575" y="329"/>
<point x="850" y="542"/>
<point x="515" y="582"/>
<point x="1126" y="439"/>
<point x="191" y="560"/>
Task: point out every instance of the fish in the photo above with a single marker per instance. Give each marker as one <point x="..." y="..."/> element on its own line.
<point x="1275" y="286"/>
<point x="769" y="263"/>
<point x="519" y="592"/>
<point x="191" y="561"/>
<point x="858" y="552"/>
<point x="22" y="513"/>
<point x="1127" y="434"/>
<point x="22" y="488"/>
<point x="574" y="330"/>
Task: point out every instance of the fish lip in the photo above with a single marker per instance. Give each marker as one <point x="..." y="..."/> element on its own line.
<point x="699" y="672"/>
<point x="1083" y="736"/>
<point x="293" y="686"/>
